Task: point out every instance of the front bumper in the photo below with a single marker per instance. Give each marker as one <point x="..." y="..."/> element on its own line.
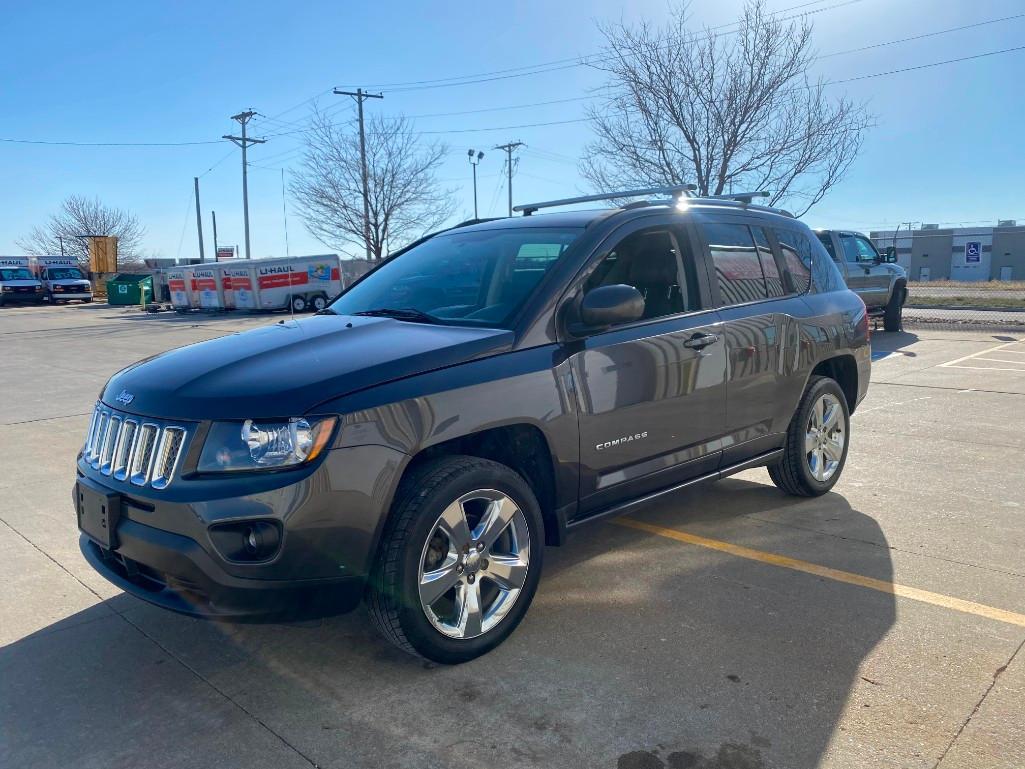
<point x="57" y="295"/>
<point x="174" y="573"/>
<point x="330" y="516"/>
<point x="10" y="297"/>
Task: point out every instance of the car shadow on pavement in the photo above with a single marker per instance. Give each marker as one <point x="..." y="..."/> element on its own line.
<point x="640" y="652"/>
<point x="893" y="342"/>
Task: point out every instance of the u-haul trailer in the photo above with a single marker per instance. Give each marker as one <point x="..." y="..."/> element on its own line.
<point x="241" y="282"/>
<point x="207" y="287"/>
<point x="300" y="282"/>
<point x="178" y="280"/>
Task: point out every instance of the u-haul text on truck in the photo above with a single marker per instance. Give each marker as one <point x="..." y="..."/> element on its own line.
<point x="177" y="286"/>
<point x="206" y="284"/>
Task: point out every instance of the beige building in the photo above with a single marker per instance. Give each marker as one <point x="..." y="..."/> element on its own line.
<point x="961" y="253"/>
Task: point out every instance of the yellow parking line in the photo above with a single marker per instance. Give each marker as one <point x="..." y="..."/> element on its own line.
<point x="925" y="596"/>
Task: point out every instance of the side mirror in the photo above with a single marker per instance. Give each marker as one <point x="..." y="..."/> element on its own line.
<point x="611" y="305"/>
<point x="889" y="255"/>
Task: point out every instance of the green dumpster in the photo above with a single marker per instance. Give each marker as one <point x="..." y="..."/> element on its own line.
<point x="130" y="288"/>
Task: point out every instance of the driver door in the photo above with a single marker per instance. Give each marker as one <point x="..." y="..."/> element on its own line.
<point x="651" y="394"/>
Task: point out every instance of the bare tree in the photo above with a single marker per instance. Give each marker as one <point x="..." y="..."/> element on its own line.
<point x="721" y="110"/>
<point x="405" y="198"/>
<point x="79" y="215"/>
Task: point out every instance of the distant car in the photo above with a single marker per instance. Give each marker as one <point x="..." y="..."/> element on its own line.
<point x="881" y="283"/>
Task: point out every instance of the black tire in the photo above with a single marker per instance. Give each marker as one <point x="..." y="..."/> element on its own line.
<point x="393" y="594"/>
<point x="298" y="303"/>
<point x="793" y="473"/>
<point x="49" y="298"/>
<point x="318" y="302"/>
<point x="894" y="310"/>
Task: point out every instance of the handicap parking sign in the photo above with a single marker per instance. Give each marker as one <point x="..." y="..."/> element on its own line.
<point x="973" y="251"/>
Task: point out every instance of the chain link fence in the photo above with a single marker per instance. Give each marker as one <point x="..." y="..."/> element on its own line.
<point x="983" y="305"/>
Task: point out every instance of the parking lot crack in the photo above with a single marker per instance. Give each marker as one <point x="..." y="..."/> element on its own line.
<point x="167" y="651"/>
<point x="978" y="705"/>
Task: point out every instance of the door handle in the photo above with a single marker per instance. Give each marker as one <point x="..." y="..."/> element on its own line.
<point x="701" y="340"/>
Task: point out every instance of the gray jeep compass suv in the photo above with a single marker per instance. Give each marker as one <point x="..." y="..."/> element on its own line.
<point x="474" y="398"/>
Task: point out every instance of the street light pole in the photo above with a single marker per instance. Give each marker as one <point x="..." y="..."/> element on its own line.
<point x="474" y="160"/>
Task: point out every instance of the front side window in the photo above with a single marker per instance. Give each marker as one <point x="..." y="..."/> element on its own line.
<point x="856" y="249"/>
<point x="651" y="261"/>
<point x="738" y="267"/>
<point x="473" y="278"/>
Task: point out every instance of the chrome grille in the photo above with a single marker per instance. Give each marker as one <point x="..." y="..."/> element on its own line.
<point x="129" y="448"/>
<point x="167" y="456"/>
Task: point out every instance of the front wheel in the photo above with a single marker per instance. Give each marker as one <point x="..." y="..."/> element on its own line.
<point x="298" y="304"/>
<point x="894" y="311"/>
<point x="460" y="560"/>
<point x="816" y="444"/>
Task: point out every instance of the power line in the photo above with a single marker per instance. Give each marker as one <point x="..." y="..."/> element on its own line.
<point x="925" y="66"/>
<point x="576" y="61"/>
<point x="106" y="144"/>
<point x="922" y="36"/>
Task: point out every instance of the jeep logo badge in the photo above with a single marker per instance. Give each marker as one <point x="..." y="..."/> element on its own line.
<point x="124" y="397"/>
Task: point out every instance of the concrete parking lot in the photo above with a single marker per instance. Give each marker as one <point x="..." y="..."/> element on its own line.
<point x="730" y="627"/>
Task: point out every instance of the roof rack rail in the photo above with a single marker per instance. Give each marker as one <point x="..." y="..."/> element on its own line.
<point x="741" y="197"/>
<point x="676" y="191"/>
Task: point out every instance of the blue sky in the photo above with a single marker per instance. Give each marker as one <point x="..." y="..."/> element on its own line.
<point x="947" y="147"/>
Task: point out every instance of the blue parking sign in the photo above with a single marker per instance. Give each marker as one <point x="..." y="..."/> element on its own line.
<point x="973" y="251"/>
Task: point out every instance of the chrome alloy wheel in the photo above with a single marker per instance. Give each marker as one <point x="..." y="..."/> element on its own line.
<point x="474" y="564"/>
<point x="824" y="438"/>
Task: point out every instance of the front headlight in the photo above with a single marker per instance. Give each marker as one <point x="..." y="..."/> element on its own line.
<point x="264" y="445"/>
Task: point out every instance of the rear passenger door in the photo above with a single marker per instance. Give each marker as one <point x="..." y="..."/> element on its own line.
<point x="759" y="303"/>
<point x="651" y="394"/>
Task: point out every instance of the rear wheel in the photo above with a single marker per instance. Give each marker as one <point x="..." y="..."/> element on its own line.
<point x="816" y="445"/>
<point x="319" y="302"/>
<point x="894" y="310"/>
<point x="299" y="303"/>
<point x="460" y="560"/>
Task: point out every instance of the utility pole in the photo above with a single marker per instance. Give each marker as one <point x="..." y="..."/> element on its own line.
<point x="361" y="96"/>
<point x="213" y="216"/>
<point x="508" y="149"/>
<point x="475" y="158"/>
<point x="243" y="141"/>
<point x="199" y="223"/>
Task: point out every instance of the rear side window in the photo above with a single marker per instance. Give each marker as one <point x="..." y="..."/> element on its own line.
<point x="773" y="280"/>
<point x="738" y="269"/>
<point x="797" y="258"/>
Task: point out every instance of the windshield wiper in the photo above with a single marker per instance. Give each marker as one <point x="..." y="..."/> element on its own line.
<point x="405" y="313"/>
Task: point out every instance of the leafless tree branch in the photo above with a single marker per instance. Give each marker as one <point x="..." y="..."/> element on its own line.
<point x="721" y="112"/>
<point x="405" y="199"/>
<point x="79" y="215"/>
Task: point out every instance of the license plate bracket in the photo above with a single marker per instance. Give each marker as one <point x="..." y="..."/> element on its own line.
<point x="99" y="510"/>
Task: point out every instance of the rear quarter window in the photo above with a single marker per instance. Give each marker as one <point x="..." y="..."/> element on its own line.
<point x="807" y="261"/>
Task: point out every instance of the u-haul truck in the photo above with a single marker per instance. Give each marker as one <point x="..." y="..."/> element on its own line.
<point x="178" y="286"/>
<point x="300" y="282"/>
<point x="17" y="283"/>
<point x="62" y="278"/>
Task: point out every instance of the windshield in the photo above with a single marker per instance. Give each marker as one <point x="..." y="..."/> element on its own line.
<point x="18" y="273"/>
<point x="64" y="273"/>
<point x="463" y="278"/>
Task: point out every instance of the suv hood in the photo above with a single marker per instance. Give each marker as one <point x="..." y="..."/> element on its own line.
<point x="287" y="369"/>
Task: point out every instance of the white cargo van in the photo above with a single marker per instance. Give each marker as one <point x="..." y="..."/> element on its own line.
<point x="17" y="283"/>
<point x="62" y="278"/>
<point x="302" y="282"/>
